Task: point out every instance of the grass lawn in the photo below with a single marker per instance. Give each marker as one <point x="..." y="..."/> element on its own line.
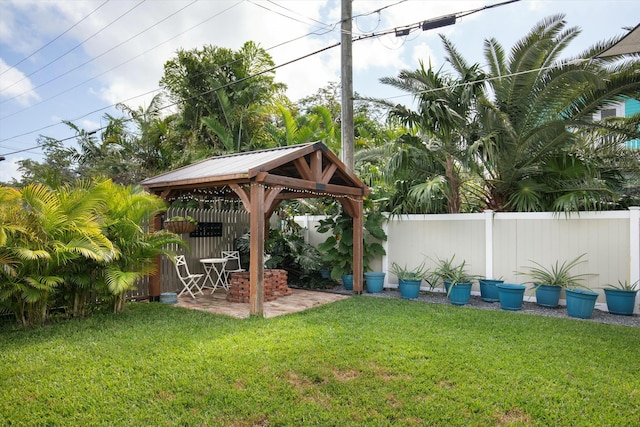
<point x="361" y="361"/>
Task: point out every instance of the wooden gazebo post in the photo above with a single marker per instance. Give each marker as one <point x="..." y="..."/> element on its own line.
<point x="256" y="264"/>
<point x="358" y="267"/>
<point x="354" y="207"/>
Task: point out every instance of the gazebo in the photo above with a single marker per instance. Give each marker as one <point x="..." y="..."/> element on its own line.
<point x="261" y="180"/>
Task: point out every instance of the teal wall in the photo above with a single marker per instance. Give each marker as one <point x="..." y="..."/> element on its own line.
<point x="631" y="107"/>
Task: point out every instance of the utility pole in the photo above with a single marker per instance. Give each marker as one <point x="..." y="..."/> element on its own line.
<point x="347" y="86"/>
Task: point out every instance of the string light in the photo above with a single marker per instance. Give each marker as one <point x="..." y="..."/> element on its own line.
<point x="211" y="195"/>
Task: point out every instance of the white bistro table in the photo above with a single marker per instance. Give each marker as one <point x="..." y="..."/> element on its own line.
<point x="214" y="272"/>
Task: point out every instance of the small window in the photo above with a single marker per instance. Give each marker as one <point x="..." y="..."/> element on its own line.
<point x="608" y="113"/>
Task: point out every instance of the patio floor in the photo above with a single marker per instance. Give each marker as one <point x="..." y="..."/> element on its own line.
<point x="299" y="300"/>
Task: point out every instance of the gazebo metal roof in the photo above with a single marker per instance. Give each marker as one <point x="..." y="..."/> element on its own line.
<point x="308" y="167"/>
<point x="262" y="179"/>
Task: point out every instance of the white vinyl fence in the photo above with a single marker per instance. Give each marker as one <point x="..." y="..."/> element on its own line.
<point x="497" y="245"/>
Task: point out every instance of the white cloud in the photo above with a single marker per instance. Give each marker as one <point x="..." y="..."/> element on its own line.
<point x="423" y="52"/>
<point x="14" y="85"/>
<point x="9" y="169"/>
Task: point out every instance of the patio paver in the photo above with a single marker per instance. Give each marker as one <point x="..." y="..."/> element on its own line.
<point x="299" y="300"/>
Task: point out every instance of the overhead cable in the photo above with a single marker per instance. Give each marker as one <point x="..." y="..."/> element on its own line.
<point x="54" y="39"/>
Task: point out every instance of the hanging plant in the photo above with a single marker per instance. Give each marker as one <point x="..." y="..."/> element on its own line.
<point x="180" y="224"/>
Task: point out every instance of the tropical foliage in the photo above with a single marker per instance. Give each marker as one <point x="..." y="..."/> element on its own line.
<point x="221" y="94"/>
<point x="520" y="136"/>
<point x="57" y="247"/>
<point x="338" y="248"/>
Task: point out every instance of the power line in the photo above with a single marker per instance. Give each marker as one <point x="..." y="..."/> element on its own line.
<point x="56" y="38"/>
<point x="326" y="26"/>
<point x="176" y="103"/>
<point x="488" y="79"/>
<point x="68" y="52"/>
<point x="406" y="29"/>
<point x="118" y="66"/>
<point x="417" y="25"/>
<point x="108" y="50"/>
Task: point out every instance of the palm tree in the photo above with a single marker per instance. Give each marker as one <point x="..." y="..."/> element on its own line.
<point x="429" y="161"/>
<point x="51" y="230"/>
<point x="126" y="212"/>
<point x="536" y="118"/>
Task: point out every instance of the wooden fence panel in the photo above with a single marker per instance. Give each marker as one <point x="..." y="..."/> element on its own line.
<point x="234" y="224"/>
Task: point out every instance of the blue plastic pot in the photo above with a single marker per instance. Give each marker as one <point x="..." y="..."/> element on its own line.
<point x="511" y="296"/>
<point x="347" y="281"/>
<point x="488" y="290"/>
<point x="548" y="295"/>
<point x="460" y="293"/>
<point x="620" y="301"/>
<point x="169" y="298"/>
<point x="375" y="281"/>
<point x="325" y="274"/>
<point x="409" y="289"/>
<point x="580" y="303"/>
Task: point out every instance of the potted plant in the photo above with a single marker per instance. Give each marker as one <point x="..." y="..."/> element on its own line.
<point x="338" y="248"/>
<point x="489" y="290"/>
<point x="548" y="282"/>
<point x="409" y="280"/>
<point x="621" y="298"/>
<point x="455" y="278"/>
<point x="180" y="224"/>
<point x="374" y="281"/>
<point x="511" y="296"/>
<point x="580" y="302"/>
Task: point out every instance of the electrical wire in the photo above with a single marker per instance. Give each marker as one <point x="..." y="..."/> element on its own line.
<point x="255" y="75"/>
<point x="107" y="51"/>
<point x="488" y="79"/>
<point x="69" y="51"/>
<point x="54" y="39"/>
<point x="120" y="65"/>
<point x="171" y="104"/>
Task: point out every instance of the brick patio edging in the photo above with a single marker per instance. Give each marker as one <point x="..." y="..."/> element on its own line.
<point x="275" y="285"/>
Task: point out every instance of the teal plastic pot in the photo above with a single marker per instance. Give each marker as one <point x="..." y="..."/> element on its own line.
<point x="375" y="281"/>
<point x="548" y="296"/>
<point x="409" y="289"/>
<point x="460" y="293"/>
<point x="620" y="301"/>
<point x="169" y="298"/>
<point x="511" y="296"/>
<point x="580" y="303"/>
<point x="347" y="281"/>
<point x="488" y="290"/>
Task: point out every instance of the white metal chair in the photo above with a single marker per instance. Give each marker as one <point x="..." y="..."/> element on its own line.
<point x="232" y="266"/>
<point x="189" y="281"/>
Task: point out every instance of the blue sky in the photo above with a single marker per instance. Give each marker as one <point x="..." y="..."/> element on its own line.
<point x="75" y="59"/>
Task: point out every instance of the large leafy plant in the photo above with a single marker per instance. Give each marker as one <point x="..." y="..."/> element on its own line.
<point x="338" y="248"/>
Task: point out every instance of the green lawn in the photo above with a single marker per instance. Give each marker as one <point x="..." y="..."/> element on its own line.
<point x="361" y="361"/>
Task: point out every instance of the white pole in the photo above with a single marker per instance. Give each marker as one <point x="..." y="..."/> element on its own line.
<point x="634" y="250"/>
<point x="488" y="243"/>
